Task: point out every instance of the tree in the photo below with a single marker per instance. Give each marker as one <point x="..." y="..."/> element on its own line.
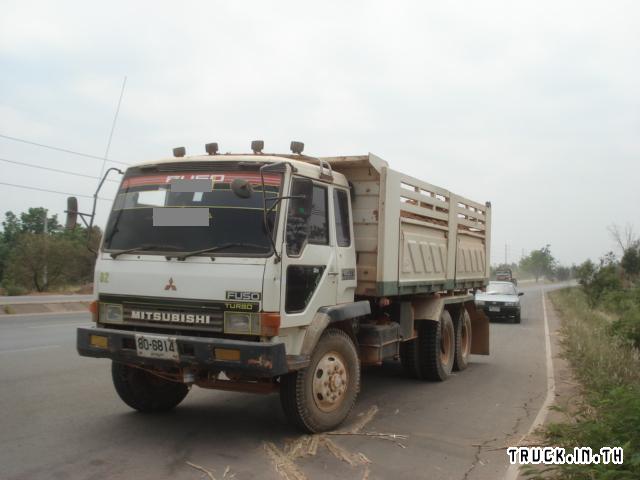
<point x="33" y="221"/>
<point x="625" y="237"/>
<point x="4" y="255"/>
<point x="605" y="279"/>
<point x="24" y="249"/>
<point x="630" y="262"/>
<point x="585" y="272"/>
<point x="539" y="263"/>
<point x="30" y="256"/>
<point x="562" y="273"/>
<point x="11" y="227"/>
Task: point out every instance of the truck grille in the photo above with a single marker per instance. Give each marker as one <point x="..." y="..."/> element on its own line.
<point x="201" y="314"/>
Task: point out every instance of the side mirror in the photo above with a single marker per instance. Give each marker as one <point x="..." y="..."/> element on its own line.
<point x="241" y="188"/>
<point x="72" y="213"/>
<point x="303" y="187"/>
<point x="520" y="294"/>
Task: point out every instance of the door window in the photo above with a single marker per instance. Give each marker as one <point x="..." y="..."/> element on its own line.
<point x="307" y="217"/>
<point x="341" y="209"/>
<point x="319" y="221"/>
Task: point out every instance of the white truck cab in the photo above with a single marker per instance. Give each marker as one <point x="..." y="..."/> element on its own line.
<point x="258" y="272"/>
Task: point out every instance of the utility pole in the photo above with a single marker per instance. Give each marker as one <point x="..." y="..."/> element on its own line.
<point x="505" y="254"/>
<point x="45" y="279"/>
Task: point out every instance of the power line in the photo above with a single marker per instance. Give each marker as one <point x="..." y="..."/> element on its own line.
<point x="52" y="169"/>
<point x="52" y="191"/>
<point x="29" y="142"/>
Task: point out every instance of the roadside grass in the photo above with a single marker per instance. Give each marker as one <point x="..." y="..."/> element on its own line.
<point x="607" y="365"/>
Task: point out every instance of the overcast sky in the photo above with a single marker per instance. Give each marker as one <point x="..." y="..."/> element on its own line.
<point x="532" y="105"/>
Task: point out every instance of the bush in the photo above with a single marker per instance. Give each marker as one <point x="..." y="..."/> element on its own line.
<point x="604" y="280"/>
<point x="616" y="424"/>
<point x="621" y="301"/>
<point x="12" y="289"/>
<point x="627" y="327"/>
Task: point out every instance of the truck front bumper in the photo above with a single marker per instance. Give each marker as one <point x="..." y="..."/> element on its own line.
<point x="255" y="359"/>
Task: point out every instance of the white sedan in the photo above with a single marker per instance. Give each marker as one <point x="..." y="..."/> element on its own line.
<point x="501" y="300"/>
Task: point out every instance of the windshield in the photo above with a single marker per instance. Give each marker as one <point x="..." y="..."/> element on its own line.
<point x="151" y="212"/>
<point x="500" y="289"/>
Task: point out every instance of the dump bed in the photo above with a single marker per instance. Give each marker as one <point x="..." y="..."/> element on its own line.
<point x="413" y="237"/>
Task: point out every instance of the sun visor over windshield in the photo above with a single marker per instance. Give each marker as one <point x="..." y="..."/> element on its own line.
<point x="180" y="217"/>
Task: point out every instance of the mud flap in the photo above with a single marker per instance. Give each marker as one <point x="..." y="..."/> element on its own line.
<point x="479" y="330"/>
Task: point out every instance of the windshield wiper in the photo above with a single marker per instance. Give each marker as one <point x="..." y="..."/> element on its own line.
<point x="221" y="247"/>
<point x="145" y="246"/>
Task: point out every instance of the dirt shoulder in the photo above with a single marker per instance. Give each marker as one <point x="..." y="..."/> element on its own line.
<point x="9" y="309"/>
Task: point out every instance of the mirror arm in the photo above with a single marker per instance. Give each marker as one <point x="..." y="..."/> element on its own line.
<point x="93" y="209"/>
<point x="95" y="195"/>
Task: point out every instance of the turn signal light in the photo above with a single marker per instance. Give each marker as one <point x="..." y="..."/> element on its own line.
<point x="269" y="324"/>
<point x="93" y="308"/>
<point x="227" y="354"/>
<point x="99" y="341"/>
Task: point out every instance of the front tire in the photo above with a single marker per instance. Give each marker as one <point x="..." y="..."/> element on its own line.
<point x="319" y="398"/>
<point x="144" y="391"/>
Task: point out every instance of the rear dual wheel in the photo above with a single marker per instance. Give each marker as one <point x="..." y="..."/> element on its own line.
<point x="463" y="340"/>
<point x="432" y="355"/>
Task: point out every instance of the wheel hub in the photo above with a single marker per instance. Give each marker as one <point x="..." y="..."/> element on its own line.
<point x="330" y="380"/>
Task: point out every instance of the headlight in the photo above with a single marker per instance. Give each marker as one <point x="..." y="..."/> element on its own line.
<point x="511" y="304"/>
<point x="480" y="302"/>
<point x="242" y="323"/>
<point x="110" y="313"/>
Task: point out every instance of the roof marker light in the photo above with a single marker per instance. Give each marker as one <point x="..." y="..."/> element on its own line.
<point x="297" y="147"/>
<point x="257" y="146"/>
<point x="211" y="148"/>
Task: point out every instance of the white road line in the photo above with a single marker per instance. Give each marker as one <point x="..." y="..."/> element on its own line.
<point x="59" y="325"/>
<point x="30" y="349"/>
<point x="512" y="471"/>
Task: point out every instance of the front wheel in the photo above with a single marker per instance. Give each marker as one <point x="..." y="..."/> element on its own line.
<point x="319" y="398"/>
<point x="144" y="391"/>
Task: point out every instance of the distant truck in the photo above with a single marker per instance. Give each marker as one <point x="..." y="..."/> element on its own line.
<point x="505" y="275"/>
<point x="283" y="273"/>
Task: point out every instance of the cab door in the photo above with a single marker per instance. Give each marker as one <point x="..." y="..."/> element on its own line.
<point x="309" y="258"/>
<point x="345" y="246"/>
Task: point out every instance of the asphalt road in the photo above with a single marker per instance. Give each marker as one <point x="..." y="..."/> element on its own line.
<point x="61" y="417"/>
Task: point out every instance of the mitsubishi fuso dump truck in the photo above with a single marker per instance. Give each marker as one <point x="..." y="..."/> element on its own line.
<point x="283" y="273"/>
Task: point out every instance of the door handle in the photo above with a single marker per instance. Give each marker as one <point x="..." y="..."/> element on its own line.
<point x="332" y="273"/>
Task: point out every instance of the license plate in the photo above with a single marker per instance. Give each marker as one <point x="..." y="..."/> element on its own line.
<point x="494" y="309"/>
<point x="156" y="346"/>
